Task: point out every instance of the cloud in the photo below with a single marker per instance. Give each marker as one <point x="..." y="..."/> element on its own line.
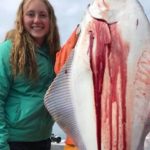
<point x="7" y="16"/>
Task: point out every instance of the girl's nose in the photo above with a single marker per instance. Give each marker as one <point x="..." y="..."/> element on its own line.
<point x="36" y="18"/>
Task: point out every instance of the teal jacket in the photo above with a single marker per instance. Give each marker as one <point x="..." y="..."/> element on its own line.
<point x="23" y="116"/>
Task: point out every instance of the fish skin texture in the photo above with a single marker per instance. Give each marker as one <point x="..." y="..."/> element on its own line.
<point x="101" y="96"/>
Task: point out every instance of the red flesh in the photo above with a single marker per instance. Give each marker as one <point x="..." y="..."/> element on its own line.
<point x="109" y="46"/>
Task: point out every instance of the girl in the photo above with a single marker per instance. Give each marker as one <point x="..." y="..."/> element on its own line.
<point x="26" y="71"/>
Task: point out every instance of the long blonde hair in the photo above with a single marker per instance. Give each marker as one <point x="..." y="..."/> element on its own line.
<point x="23" y="49"/>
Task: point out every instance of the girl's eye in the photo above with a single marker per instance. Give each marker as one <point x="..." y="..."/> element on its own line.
<point x="40" y="15"/>
<point x="43" y="15"/>
<point x="30" y="14"/>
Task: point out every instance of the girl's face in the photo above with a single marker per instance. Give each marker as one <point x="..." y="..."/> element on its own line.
<point x="36" y="20"/>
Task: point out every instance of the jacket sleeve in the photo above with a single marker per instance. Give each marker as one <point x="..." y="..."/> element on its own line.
<point x="5" y="80"/>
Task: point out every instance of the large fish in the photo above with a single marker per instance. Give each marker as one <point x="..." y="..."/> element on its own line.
<point x="101" y="97"/>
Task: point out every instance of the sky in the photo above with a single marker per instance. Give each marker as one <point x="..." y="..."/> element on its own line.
<point x="69" y="13"/>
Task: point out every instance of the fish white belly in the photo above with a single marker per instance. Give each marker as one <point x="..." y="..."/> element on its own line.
<point x="71" y="105"/>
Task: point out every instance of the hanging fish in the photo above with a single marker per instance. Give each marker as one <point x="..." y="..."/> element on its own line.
<point x="101" y="97"/>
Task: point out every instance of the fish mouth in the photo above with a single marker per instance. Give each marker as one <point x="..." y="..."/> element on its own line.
<point x="105" y="12"/>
